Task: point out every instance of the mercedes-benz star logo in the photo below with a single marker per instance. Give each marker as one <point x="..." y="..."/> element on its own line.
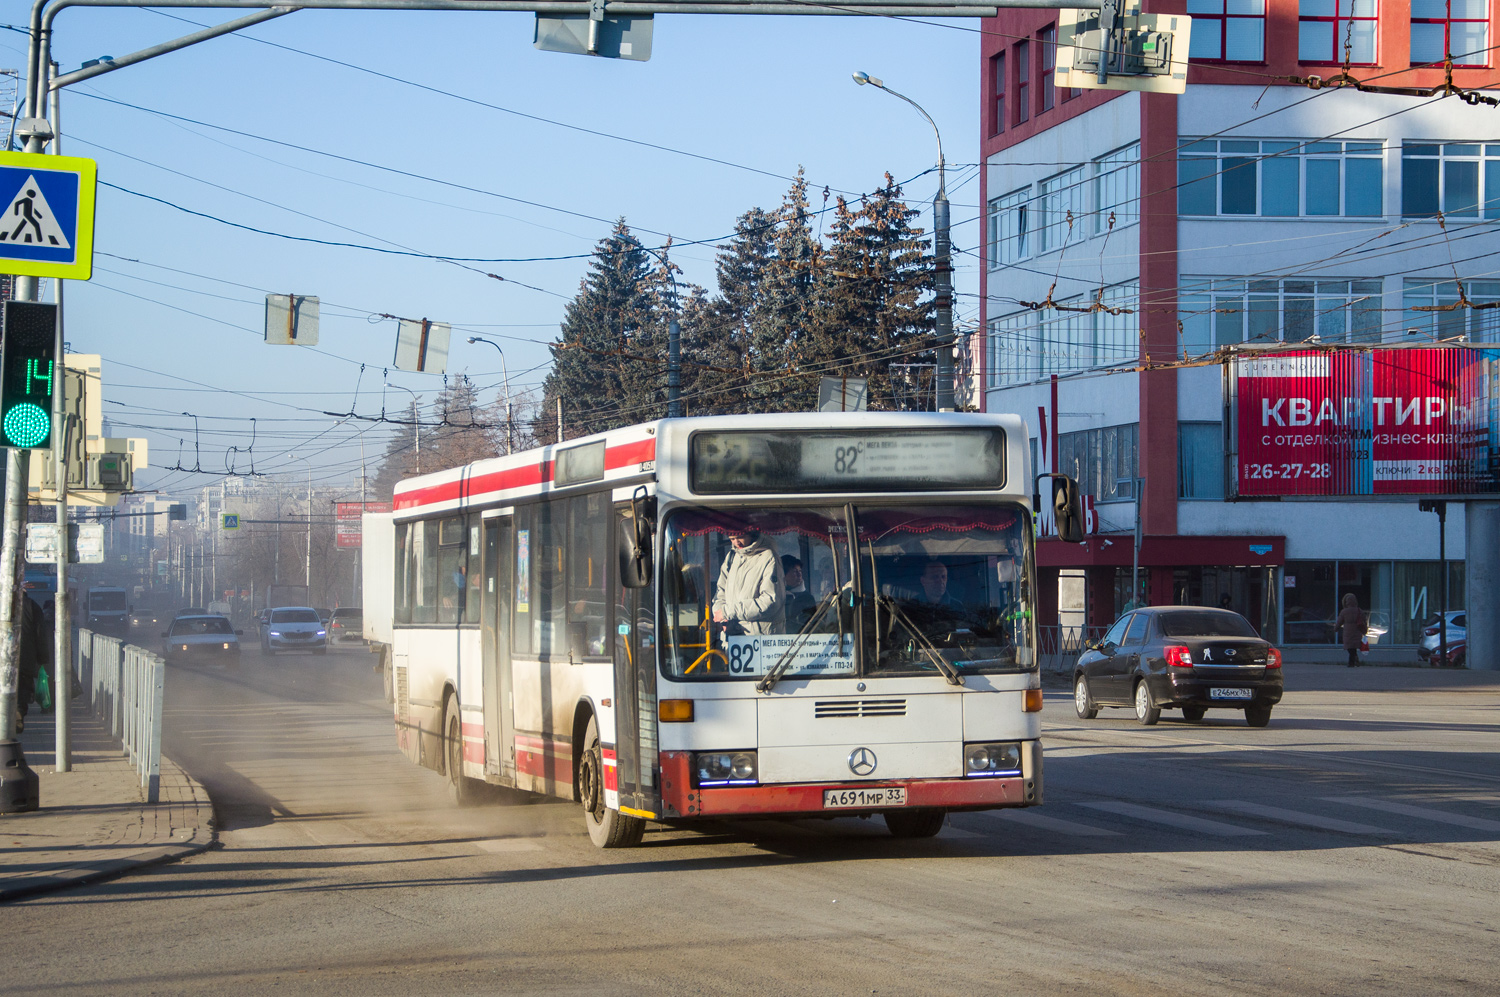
<point x="862" y="761"/>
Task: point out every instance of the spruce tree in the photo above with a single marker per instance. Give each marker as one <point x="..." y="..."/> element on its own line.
<point x="609" y="366"/>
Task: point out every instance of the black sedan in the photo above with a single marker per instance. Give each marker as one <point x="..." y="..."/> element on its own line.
<point x="1179" y="657"/>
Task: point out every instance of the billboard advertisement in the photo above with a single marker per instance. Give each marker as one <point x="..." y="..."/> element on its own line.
<point x="348" y="527"/>
<point x="1406" y="421"/>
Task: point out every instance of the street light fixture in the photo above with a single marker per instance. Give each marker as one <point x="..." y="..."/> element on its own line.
<point x="416" y="411"/>
<point x="941" y="256"/>
<point x="509" y="448"/>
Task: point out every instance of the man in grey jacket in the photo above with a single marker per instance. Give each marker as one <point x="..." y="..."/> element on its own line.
<point x="751" y="590"/>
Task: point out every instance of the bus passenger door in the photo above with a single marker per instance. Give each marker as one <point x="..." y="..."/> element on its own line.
<point x="635" y="692"/>
<point x="499" y="720"/>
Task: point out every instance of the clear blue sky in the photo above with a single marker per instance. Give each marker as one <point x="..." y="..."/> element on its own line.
<point x="768" y="94"/>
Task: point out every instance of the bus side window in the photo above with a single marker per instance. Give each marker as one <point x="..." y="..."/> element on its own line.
<point x="548" y="564"/>
<point x="588" y="555"/>
<point x="521" y="627"/>
<point x="403" y="571"/>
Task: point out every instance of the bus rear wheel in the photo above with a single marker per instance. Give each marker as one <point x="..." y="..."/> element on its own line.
<point x="607" y="828"/>
<point x="465" y="792"/>
<point x="914" y="823"/>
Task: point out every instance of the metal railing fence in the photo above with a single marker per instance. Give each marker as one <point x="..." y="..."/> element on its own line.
<point x="1061" y="646"/>
<point x="126" y="684"/>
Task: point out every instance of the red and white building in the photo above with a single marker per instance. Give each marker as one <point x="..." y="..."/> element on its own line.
<point x="1248" y="210"/>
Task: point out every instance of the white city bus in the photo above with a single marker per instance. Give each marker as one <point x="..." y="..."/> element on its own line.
<point x="563" y="621"/>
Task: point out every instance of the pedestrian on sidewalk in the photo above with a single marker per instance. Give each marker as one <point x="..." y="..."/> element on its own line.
<point x="33" y="656"/>
<point x="1352" y="624"/>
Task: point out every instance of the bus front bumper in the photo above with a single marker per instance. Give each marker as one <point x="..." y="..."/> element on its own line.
<point x="680" y="798"/>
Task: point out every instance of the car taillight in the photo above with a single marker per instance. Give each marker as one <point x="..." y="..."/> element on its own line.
<point x="1273" y="658"/>
<point x="1429" y="631"/>
<point x="1178" y="656"/>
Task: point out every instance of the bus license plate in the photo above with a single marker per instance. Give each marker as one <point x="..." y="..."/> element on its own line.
<point x="858" y="799"/>
<point x="1230" y="694"/>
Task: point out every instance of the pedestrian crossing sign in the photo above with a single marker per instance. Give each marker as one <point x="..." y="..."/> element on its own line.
<point x="47" y="225"/>
<point x="231" y="520"/>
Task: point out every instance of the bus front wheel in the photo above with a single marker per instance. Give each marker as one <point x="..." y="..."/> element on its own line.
<point x="915" y="823"/>
<point x="607" y="828"/>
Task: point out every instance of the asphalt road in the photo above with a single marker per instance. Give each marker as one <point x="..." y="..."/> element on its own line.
<point x="1352" y="847"/>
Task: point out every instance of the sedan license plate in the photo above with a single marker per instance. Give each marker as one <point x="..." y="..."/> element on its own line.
<point x="1231" y="694"/>
<point x="857" y="799"/>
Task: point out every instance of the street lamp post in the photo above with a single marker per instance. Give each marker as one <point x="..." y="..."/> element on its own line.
<point x="416" y="413"/>
<point x="941" y="258"/>
<point x="505" y="372"/>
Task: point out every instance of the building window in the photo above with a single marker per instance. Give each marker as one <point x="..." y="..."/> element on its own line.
<point x="1047" y="40"/>
<point x="1216" y="312"/>
<point x="1456" y="321"/>
<point x="1026" y="346"/>
<point x="1063" y="204"/>
<point x="1228" y="30"/>
<point x="1023" y="80"/>
<point x="1332" y="31"/>
<point x="997" y="72"/>
<point x="1200" y="460"/>
<point x="1104" y="461"/>
<point x="1462" y="180"/>
<point x="1010" y="225"/>
<point x="1450" y="27"/>
<point x="1280" y="179"/>
<point x="1117" y="188"/>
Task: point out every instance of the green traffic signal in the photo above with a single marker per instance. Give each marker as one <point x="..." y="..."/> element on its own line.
<point x="27" y="363"/>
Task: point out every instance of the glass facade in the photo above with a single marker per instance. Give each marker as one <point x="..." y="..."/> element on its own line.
<point x="1401" y="597"/>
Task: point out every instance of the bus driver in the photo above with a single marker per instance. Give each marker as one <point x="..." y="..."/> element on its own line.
<point x="751" y="591"/>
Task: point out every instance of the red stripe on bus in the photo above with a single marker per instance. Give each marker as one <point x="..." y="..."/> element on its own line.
<point x="544" y="757"/>
<point x="680" y="799"/>
<point x="519" y="477"/>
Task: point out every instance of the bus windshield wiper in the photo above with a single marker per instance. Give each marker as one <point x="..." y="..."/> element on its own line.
<point x="770" y="678"/>
<point x="927" y="647"/>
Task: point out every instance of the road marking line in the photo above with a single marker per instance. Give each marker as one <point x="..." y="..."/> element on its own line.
<point x="1425" y="813"/>
<point x="1154" y="816"/>
<point x="1042" y="823"/>
<point x="1297" y="817"/>
<point x="495" y="845"/>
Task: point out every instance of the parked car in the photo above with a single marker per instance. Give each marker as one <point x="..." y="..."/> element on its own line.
<point x="294" y="628"/>
<point x="201" y="638"/>
<point x="347" y="626"/>
<point x="1458" y="632"/>
<point x="1179" y="657"/>
<point x="1458" y="654"/>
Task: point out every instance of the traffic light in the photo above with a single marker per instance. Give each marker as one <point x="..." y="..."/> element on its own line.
<point x="26" y="365"/>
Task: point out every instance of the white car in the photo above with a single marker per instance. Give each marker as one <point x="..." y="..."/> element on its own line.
<point x="201" y="638"/>
<point x="1458" y="622"/>
<point x="294" y="628"/>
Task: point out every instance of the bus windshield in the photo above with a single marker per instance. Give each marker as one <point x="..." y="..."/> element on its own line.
<point x="106" y="602"/>
<point x="924" y="589"/>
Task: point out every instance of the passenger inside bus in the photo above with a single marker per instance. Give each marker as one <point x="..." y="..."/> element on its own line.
<point x="750" y="596"/>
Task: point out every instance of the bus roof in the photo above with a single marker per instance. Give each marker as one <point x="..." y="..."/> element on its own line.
<point x="619" y="456"/>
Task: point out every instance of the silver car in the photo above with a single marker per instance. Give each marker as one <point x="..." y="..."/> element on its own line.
<point x="294" y="628"/>
<point x="1458" y="622"/>
<point x="201" y="638"/>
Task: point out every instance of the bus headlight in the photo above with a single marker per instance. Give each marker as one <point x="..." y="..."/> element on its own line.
<point x="992" y="759"/>
<point x="726" y="768"/>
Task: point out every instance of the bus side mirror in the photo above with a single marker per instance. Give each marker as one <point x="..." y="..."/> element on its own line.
<point x="1067" y="506"/>
<point x="635" y="541"/>
<point x="1067" y="509"/>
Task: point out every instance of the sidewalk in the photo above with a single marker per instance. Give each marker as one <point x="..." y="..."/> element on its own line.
<point x="94" y="822"/>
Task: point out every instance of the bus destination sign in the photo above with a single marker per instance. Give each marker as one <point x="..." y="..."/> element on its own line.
<point x="890" y="460"/>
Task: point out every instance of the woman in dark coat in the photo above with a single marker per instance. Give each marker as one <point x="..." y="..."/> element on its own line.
<point x="1352" y="624"/>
